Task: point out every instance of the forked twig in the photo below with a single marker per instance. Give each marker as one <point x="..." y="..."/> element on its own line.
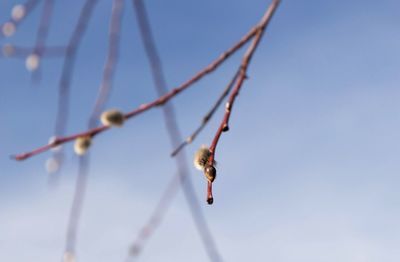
<point x="207" y="117"/>
<point x="224" y="126"/>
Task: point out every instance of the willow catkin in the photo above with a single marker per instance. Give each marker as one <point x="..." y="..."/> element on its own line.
<point x="112" y="117"/>
<point x="201" y="157"/>
<point x="82" y="144"/>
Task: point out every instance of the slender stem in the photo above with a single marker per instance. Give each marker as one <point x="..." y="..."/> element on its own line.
<point x="224" y="126"/>
<point x="207" y="117"/>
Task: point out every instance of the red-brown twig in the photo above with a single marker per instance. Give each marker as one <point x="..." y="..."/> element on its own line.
<point x="175" y="137"/>
<point x="146" y="106"/>
<point x="103" y="94"/>
<point x="224" y="126"/>
<point x="207" y="117"/>
<point x="28" y="6"/>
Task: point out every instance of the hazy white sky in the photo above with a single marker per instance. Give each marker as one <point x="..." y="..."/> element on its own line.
<point x="308" y="172"/>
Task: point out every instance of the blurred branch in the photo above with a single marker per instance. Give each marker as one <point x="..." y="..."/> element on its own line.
<point x="41" y="36"/>
<point x="175" y="137"/>
<point x="13" y="51"/>
<point x="102" y="97"/>
<point x="67" y="74"/>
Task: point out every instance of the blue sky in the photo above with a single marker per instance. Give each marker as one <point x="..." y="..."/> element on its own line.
<point x="308" y="172"/>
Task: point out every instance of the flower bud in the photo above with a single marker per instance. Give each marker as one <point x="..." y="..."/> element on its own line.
<point x="210" y="173"/>
<point x="82" y="144"/>
<point x="112" y="117"/>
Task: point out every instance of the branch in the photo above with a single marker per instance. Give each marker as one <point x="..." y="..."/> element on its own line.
<point x="224" y="126"/>
<point x="207" y="117"/>
<point x="146" y="106"/>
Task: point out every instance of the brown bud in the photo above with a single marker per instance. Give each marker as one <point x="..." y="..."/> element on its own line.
<point x="210" y="172"/>
<point x="210" y="200"/>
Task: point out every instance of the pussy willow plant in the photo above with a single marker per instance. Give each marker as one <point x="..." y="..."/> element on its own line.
<point x="204" y="158"/>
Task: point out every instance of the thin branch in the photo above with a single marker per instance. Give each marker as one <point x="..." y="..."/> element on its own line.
<point x="103" y="94"/>
<point x="146" y="106"/>
<point x="207" y="117"/>
<point x="77" y="204"/>
<point x="175" y="137"/>
<point x="224" y="126"/>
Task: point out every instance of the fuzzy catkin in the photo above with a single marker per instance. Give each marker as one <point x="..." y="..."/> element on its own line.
<point x="82" y="144"/>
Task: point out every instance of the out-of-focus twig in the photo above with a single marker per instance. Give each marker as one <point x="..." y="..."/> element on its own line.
<point x="20" y="52"/>
<point x="103" y="94"/>
<point x="67" y="73"/>
<point x="175" y="137"/>
<point x="41" y="37"/>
